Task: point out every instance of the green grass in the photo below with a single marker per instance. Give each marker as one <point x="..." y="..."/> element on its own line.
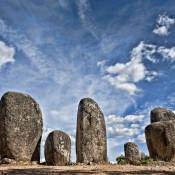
<point x="145" y="161"/>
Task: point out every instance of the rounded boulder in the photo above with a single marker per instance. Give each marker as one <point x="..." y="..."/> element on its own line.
<point x="20" y="127"/>
<point x="57" y="149"/>
<point x="132" y="154"/>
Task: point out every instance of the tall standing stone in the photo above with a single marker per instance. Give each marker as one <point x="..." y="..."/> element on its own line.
<point x="91" y="144"/>
<point x="20" y="127"/>
<point x="132" y="154"/>
<point x="57" y="148"/>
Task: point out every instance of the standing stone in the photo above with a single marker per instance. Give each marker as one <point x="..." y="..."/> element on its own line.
<point x="161" y="114"/>
<point x="91" y="144"/>
<point x="57" y="148"/>
<point x="160" y="138"/>
<point x="20" y="127"/>
<point x="132" y="154"/>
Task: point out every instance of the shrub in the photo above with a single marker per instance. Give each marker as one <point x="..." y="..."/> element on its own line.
<point x="146" y="161"/>
<point x="121" y="160"/>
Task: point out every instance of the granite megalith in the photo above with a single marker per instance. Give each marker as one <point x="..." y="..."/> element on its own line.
<point x="57" y="149"/>
<point x="132" y="154"/>
<point x="160" y="138"/>
<point x="91" y="143"/>
<point x="161" y="114"/>
<point x="20" y="127"/>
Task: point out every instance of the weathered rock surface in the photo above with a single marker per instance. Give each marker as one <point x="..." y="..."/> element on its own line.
<point x="20" y="127"/>
<point x="160" y="138"/>
<point x="132" y="154"/>
<point x="57" y="148"/>
<point x="91" y="144"/>
<point x="161" y="114"/>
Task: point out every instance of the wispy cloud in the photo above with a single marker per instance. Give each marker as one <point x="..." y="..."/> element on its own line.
<point x="108" y="43"/>
<point x="64" y="3"/>
<point x="6" y="54"/>
<point x="84" y="11"/>
<point x="22" y="43"/>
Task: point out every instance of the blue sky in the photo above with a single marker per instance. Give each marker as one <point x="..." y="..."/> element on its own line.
<point x="120" y="53"/>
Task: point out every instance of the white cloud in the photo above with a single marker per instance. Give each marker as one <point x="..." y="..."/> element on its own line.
<point x="141" y="138"/>
<point x="125" y="75"/>
<point x="163" y="25"/>
<point x="124" y="126"/>
<point x="125" y="131"/>
<point x="162" y="31"/>
<point x="101" y="63"/>
<point x="164" y="20"/>
<point x="134" y="118"/>
<point x="111" y="119"/>
<point x="167" y="53"/>
<point x="6" y="54"/>
<point x="135" y="125"/>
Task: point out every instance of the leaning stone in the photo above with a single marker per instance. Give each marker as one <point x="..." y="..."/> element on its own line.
<point x="57" y="148"/>
<point x="160" y="138"/>
<point x="132" y="154"/>
<point x="91" y="144"/>
<point x="161" y="114"/>
<point x="20" y="127"/>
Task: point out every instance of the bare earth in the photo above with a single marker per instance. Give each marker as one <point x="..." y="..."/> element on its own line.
<point x="85" y="170"/>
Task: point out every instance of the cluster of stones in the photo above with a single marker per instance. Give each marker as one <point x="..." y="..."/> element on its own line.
<point x="21" y="128"/>
<point x="160" y="135"/>
<point x="160" y="138"/>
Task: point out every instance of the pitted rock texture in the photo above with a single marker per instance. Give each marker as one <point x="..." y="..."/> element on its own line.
<point x="161" y="114"/>
<point x="132" y="154"/>
<point x="20" y="127"/>
<point x="160" y="138"/>
<point x="57" y="148"/>
<point x="91" y="144"/>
